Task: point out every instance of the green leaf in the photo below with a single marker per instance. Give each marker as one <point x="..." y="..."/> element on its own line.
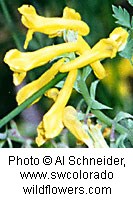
<point x="93" y="89"/>
<point x="86" y="72"/>
<point x="127" y="121"/>
<point x="132" y="22"/>
<point x="120" y="141"/>
<point x="77" y="82"/>
<point x="95" y="104"/>
<point x="122" y="115"/>
<point x="60" y="84"/>
<point x="122" y="16"/>
<point x="2" y="142"/>
<point x="99" y="106"/>
<point x="129" y="124"/>
<point x="131" y="2"/>
<point x="128" y="51"/>
<point x="82" y="74"/>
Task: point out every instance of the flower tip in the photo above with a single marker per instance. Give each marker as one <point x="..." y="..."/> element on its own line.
<point x="39" y="141"/>
<point x="18" y="78"/>
<point x="120" y="36"/>
<point x="9" y="55"/>
<point x="70" y="13"/>
<point x="52" y="93"/>
<point x="27" y="9"/>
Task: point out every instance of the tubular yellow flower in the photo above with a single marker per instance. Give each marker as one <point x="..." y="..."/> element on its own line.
<point x="52" y="124"/>
<point x="96" y="66"/>
<point x="103" y="49"/>
<point x="21" y="62"/>
<point x="75" y="126"/>
<point x="34" y="86"/>
<point x="50" y="26"/>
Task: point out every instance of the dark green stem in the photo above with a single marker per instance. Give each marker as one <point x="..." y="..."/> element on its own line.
<point x="30" y="100"/>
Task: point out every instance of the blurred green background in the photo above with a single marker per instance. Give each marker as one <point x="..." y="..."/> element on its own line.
<point x="116" y="91"/>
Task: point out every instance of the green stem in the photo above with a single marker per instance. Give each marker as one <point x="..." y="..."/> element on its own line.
<point x="10" y="24"/>
<point x="30" y="100"/>
<point x="84" y="91"/>
<point x="100" y="115"/>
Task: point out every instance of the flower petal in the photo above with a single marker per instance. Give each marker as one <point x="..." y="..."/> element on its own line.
<point x="75" y="126"/>
<point x="96" y="134"/>
<point x="103" y="49"/>
<point x="29" y="36"/>
<point x="39" y="139"/>
<point x="25" y="61"/>
<point x="52" y="93"/>
<point x="70" y="13"/>
<point x="53" y="25"/>
<point x="52" y="124"/>
<point x="34" y="86"/>
<point x="119" y="35"/>
<point x="97" y="67"/>
<point x="18" y="78"/>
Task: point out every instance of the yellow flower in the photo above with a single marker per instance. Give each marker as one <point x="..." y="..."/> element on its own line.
<point x="35" y="85"/>
<point x="21" y="62"/>
<point x="96" y="134"/>
<point x="53" y="94"/>
<point x="71" y="122"/>
<point x="51" y="26"/>
<point x="103" y="49"/>
<point x="84" y="46"/>
<point x="52" y="124"/>
<point x="119" y="35"/>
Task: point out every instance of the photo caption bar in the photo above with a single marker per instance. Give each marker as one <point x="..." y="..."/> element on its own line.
<point x="100" y="174"/>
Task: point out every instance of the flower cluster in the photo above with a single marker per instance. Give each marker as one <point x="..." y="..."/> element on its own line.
<point x="60" y="115"/>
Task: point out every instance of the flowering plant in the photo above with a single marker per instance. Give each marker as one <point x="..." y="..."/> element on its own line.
<point x="73" y="62"/>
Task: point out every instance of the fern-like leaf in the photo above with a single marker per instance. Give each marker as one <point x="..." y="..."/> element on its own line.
<point x="122" y="16"/>
<point x="131" y="2"/>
